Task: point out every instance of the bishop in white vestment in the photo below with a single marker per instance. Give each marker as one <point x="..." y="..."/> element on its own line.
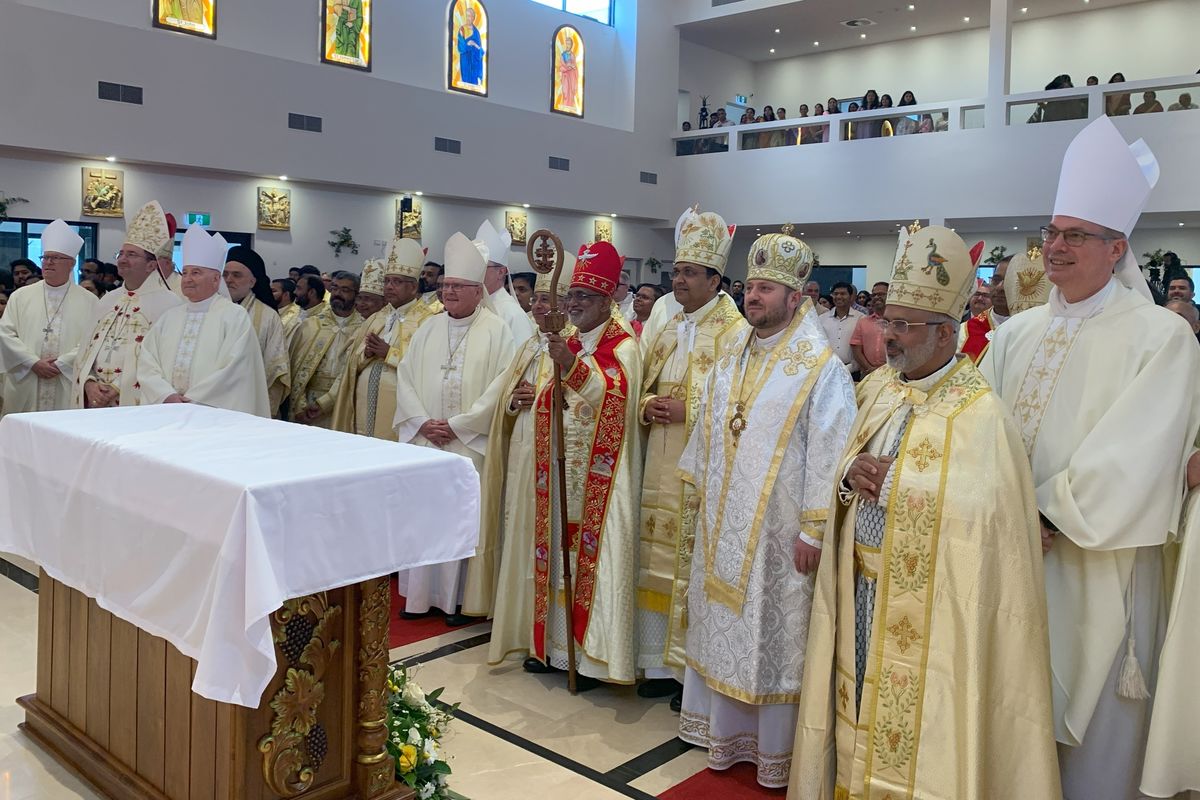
<point x="205" y="351"/>
<point x="503" y="304"/>
<point x="106" y="371"/>
<point x="447" y="386"/>
<point x="1105" y="387"/>
<point x="761" y="459"/>
<point x="43" y="327"/>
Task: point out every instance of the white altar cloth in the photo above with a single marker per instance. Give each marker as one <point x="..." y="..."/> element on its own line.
<point x="195" y="523"/>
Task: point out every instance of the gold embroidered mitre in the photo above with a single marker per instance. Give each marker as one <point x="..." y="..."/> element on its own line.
<point x="703" y="239"/>
<point x="542" y="283"/>
<point x="405" y="257"/>
<point x="149" y="230"/>
<point x="371" y="281"/>
<point x="781" y="258"/>
<point x="1025" y="284"/>
<point x="933" y="271"/>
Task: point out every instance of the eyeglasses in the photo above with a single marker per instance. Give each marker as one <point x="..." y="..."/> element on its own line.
<point x="1073" y="238"/>
<point x="901" y="326"/>
<point x="447" y="286"/>
<point x="53" y="258"/>
<point x="582" y="297"/>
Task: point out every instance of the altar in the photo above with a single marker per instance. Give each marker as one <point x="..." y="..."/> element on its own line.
<point x="214" y="603"/>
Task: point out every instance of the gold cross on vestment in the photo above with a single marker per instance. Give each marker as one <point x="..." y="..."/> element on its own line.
<point x="924" y="454"/>
<point x="801" y="356"/>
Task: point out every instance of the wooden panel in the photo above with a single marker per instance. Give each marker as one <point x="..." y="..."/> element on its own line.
<point x="152" y="708"/>
<point x="60" y="678"/>
<point x="77" y="698"/>
<point x="45" y="660"/>
<point x="203" y="746"/>
<point x="99" y="650"/>
<point x="123" y="696"/>
<point x="178" y="724"/>
<point x="231" y="756"/>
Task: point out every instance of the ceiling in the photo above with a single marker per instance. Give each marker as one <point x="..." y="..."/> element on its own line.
<point x="1028" y="226"/>
<point x="751" y="34"/>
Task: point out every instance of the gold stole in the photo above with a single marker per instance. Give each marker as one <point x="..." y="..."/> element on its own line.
<point x="877" y="756"/>
<point x="326" y="333"/>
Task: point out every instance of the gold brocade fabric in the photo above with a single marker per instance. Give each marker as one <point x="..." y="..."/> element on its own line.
<point x="956" y="700"/>
<point x="668" y="511"/>
<point x="318" y="351"/>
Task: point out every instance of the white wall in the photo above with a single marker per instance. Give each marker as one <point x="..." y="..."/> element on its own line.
<point x="1142" y="40"/>
<point x="52" y="186"/>
<point x="720" y="76"/>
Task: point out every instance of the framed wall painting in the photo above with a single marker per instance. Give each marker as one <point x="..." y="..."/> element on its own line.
<point x="408" y="223"/>
<point x="197" y="17"/>
<point x="467" y="48"/>
<point x="517" y="223"/>
<point x="103" y="192"/>
<point x="346" y="33"/>
<point x="566" y="92"/>
<point x="604" y="231"/>
<point x="274" y="209"/>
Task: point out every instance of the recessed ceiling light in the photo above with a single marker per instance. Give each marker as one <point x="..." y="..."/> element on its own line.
<point x="816" y="44"/>
<point x="911" y="7"/>
<point x="1015" y="227"/>
<point x="614" y="216"/>
<point x="283" y="177"/>
<point x="777" y="30"/>
<point x="1181" y="224"/>
<point x="419" y="194"/>
<point x="912" y="28"/>
<point x="772" y="49"/>
<point x="524" y="205"/>
<point x="847" y="233"/>
<point x="1024" y="10"/>
<point x="110" y="159"/>
<point x="966" y="19"/>
<point x="862" y="36"/>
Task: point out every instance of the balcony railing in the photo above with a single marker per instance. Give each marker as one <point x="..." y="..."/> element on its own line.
<point x="1086" y="102"/>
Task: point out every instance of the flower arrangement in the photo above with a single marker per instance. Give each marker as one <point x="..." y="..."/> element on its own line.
<point x="997" y="254"/>
<point x="415" y="730"/>
<point x="344" y="239"/>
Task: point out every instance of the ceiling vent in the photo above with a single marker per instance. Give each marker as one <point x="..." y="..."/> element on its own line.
<point x="859" y="23"/>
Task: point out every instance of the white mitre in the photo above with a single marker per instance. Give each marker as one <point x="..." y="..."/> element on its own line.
<point x="465" y="260"/>
<point x="498" y="243"/>
<point x="1108" y="182"/>
<point x="202" y="250"/>
<point x="58" y="237"/>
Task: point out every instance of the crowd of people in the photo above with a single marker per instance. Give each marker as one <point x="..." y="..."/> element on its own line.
<point x="961" y="577"/>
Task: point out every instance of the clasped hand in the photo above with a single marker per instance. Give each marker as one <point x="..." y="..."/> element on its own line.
<point x="375" y="347"/>
<point x="866" y="475"/>
<point x="46" y="369"/>
<point x="438" y="432"/>
<point x="523" y="396"/>
<point x="665" y="411"/>
<point x="559" y="352"/>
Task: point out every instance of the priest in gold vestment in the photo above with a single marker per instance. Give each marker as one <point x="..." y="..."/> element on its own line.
<point x="247" y="283"/>
<point x="601" y="369"/>
<point x="106" y="370"/>
<point x="761" y="461"/>
<point x="366" y="401"/>
<point x="506" y="536"/>
<point x="675" y="369"/>
<point x="1105" y="387"/>
<point x="928" y="650"/>
<point x="447" y="387"/>
<point x="320" y="347"/>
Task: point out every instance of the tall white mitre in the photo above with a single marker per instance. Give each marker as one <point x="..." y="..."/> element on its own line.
<point x="58" y="237"/>
<point x="466" y="260"/>
<point x="498" y="244"/>
<point x="202" y="250"/>
<point x="1108" y="182"/>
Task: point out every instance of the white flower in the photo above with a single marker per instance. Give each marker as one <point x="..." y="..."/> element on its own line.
<point x="431" y="751"/>
<point x="413" y="695"/>
<point x="427" y="791"/>
<point x="441" y="780"/>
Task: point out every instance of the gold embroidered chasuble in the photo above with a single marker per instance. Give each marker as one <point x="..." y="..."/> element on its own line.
<point x="747" y="606"/>
<point x="1084" y="389"/>
<point x="318" y="354"/>
<point x="505" y="554"/>
<point x="955" y="699"/>
<point x="124" y="318"/>
<point x="680" y="370"/>
<point x="272" y="342"/>
<point x="40" y="322"/>
<point x="366" y="399"/>
<point x="290" y="318"/>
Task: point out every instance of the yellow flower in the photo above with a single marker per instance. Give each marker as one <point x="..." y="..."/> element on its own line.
<point x="408" y="758"/>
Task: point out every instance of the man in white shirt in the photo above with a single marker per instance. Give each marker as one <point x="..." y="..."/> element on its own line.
<point x="505" y="306"/>
<point x="839" y="324"/>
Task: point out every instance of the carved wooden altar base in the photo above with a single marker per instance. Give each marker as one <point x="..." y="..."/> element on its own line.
<point x="114" y="705"/>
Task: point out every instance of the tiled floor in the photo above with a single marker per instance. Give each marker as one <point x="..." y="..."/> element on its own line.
<point x="519" y="735"/>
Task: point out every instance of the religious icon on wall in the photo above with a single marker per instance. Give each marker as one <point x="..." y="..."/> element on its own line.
<point x="467" y="56"/>
<point x="1033" y="247"/>
<point x="517" y="223"/>
<point x="103" y="192"/>
<point x="274" y="209"/>
<point x="567" y="83"/>
<point x="197" y="17"/>
<point x="346" y="33"/>
<point x="408" y="223"/>
<point x="604" y="231"/>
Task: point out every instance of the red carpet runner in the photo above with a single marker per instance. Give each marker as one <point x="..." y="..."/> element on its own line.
<point x="735" y="783"/>
<point x="404" y="632"/>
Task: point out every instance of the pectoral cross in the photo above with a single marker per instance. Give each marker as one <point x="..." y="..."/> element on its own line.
<point x="447" y="368"/>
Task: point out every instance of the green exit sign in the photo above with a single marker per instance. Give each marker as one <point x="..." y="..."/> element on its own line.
<point x="203" y="220"/>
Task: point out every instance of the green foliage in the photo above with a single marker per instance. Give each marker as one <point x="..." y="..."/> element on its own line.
<point x="6" y="201"/>
<point x="343" y="239"/>
<point x="416" y="725"/>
